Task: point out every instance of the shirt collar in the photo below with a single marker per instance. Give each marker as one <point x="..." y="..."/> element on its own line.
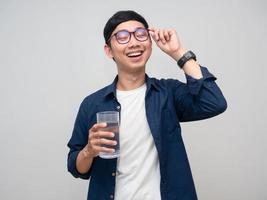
<point x="111" y="89"/>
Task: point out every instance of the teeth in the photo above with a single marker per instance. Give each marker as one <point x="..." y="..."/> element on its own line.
<point x="135" y="53"/>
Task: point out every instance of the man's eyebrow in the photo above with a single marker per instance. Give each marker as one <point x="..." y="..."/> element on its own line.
<point x="131" y="31"/>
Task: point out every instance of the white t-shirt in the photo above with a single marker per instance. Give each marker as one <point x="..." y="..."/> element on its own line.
<point x="138" y="175"/>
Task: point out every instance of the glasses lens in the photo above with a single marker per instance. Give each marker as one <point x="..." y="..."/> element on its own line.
<point x="141" y="34"/>
<point x="123" y="36"/>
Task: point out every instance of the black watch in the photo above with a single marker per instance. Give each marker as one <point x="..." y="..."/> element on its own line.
<point x="187" y="56"/>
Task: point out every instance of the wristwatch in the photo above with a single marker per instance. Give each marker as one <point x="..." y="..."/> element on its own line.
<point x="187" y="56"/>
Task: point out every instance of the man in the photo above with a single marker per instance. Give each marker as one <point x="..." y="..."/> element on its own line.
<point x="153" y="164"/>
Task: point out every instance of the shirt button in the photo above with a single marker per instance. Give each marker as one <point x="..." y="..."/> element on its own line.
<point x="118" y="107"/>
<point x="113" y="174"/>
<point x="111" y="196"/>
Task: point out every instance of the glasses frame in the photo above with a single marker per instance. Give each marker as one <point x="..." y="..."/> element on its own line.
<point x="130" y="35"/>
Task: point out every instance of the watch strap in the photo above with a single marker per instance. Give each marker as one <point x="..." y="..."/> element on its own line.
<point x="187" y="56"/>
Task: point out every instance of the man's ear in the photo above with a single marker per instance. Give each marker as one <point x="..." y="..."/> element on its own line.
<point x="108" y="51"/>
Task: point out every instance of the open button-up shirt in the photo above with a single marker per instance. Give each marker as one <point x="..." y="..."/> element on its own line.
<point x="168" y="102"/>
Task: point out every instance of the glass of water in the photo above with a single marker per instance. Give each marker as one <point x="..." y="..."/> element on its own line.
<point x="112" y="119"/>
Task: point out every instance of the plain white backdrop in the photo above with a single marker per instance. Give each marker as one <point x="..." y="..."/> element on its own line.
<point x="51" y="57"/>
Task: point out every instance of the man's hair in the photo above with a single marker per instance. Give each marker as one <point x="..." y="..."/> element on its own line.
<point x="120" y="17"/>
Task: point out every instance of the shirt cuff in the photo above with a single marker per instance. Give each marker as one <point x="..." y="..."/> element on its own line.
<point x="72" y="166"/>
<point x="195" y="85"/>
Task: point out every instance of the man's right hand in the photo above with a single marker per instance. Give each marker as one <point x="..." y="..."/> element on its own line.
<point x="98" y="139"/>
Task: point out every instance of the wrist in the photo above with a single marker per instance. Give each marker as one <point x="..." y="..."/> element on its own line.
<point x="86" y="153"/>
<point x="178" y="54"/>
<point x="188" y="56"/>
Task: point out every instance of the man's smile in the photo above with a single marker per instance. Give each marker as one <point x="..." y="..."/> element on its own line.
<point x="135" y="53"/>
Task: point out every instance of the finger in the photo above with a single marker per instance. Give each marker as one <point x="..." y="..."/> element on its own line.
<point x="98" y="149"/>
<point x="173" y="33"/>
<point x="95" y="142"/>
<point x="101" y="134"/>
<point x="104" y="141"/>
<point x="153" y="36"/>
<point x="166" y="35"/>
<point x="156" y="32"/>
<point x="161" y="35"/>
<point x="151" y="29"/>
<point x="96" y="126"/>
<point x="107" y="150"/>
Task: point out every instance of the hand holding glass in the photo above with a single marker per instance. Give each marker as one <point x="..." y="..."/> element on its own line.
<point x="111" y="118"/>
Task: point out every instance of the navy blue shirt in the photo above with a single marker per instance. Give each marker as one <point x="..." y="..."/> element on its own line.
<point x="168" y="102"/>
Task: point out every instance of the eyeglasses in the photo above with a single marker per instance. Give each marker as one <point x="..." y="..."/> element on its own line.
<point x="124" y="36"/>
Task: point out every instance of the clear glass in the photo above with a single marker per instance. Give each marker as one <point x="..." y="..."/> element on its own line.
<point x="112" y="118"/>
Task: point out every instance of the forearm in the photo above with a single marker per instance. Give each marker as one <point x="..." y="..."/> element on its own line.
<point x="84" y="161"/>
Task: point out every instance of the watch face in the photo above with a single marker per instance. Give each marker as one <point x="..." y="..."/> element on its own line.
<point x="188" y="55"/>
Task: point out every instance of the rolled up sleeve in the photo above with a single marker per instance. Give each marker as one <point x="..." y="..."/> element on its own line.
<point x="72" y="166"/>
<point x="198" y="98"/>
<point x="77" y="142"/>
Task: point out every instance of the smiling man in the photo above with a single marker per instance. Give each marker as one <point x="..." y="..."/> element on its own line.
<point x="153" y="164"/>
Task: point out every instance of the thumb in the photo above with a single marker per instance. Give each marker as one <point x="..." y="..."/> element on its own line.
<point x="153" y="35"/>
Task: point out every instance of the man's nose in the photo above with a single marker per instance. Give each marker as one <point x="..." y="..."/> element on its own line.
<point x="133" y="41"/>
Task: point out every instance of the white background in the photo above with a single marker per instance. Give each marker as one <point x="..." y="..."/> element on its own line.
<point x="51" y="57"/>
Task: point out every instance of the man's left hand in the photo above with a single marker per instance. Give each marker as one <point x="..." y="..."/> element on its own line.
<point x="168" y="41"/>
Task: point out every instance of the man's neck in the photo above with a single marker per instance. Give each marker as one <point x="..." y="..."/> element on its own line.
<point x="130" y="81"/>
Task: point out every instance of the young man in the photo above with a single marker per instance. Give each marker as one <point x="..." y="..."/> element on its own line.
<point x="153" y="164"/>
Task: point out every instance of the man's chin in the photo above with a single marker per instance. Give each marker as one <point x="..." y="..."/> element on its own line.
<point x="137" y="65"/>
<point x="136" y="68"/>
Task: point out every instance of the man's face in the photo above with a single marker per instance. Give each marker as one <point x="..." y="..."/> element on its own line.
<point x="131" y="56"/>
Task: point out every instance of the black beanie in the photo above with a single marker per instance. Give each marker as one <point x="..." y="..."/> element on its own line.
<point x="120" y="17"/>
